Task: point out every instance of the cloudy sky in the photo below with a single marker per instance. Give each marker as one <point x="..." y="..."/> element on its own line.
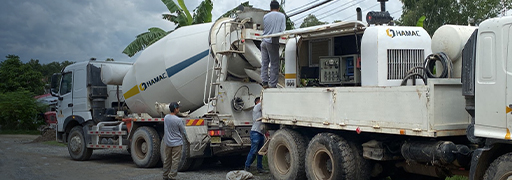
<point x="76" y="30"/>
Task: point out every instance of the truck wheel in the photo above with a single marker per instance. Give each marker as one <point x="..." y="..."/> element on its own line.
<point x="331" y="157"/>
<point x="145" y="146"/>
<point x="286" y="155"/>
<point x="500" y="169"/>
<point x="76" y="145"/>
<point x="185" y="162"/>
<point x="235" y="161"/>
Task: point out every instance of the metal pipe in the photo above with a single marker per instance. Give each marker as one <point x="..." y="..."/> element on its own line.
<point x="382" y="5"/>
<point x="359" y="14"/>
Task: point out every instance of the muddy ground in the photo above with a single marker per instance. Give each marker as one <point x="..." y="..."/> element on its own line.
<point x="23" y="158"/>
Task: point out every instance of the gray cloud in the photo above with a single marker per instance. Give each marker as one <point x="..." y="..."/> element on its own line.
<point x="76" y="30"/>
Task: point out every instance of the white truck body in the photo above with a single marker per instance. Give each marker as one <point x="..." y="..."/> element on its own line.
<point x="328" y="119"/>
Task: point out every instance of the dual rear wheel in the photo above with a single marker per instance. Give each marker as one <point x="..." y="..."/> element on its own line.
<point x="326" y="157"/>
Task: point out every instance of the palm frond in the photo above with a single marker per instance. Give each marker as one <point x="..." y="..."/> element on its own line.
<point x="185" y="10"/>
<point x="203" y="12"/>
<point x="144" y="40"/>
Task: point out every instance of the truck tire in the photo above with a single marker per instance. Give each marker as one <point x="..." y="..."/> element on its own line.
<point x="286" y="155"/>
<point x="500" y="169"/>
<point x="186" y="163"/>
<point x="76" y="145"/>
<point x="145" y="147"/>
<point x="234" y="161"/>
<point x="331" y="157"/>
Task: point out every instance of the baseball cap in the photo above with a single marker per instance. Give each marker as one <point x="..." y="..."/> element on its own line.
<point x="174" y="105"/>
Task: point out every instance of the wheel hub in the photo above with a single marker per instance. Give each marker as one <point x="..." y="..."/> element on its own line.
<point x="75" y="144"/>
<point x="144" y="147"/>
<point x="283" y="159"/>
<point x="322" y="165"/>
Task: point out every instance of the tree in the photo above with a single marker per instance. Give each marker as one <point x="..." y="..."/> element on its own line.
<point x="18" y="111"/>
<point x="17" y="76"/>
<point x="457" y="12"/>
<point x="311" y="20"/>
<point x="179" y="15"/>
<point x="109" y="59"/>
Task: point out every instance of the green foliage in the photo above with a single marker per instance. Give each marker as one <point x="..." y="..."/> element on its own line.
<point x="233" y="11"/>
<point x="109" y="59"/>
<point x="457" y="178"/>
<point x="420" y="21"/>
<point x="289" y="23"/>
<point x="458" y="12"/>
<point x="144" y="40"/>
<point x="311" y="20"/>
<point x="16" y="76"/>
<point x="179" y="15"/>
<point x="19" y="111"/>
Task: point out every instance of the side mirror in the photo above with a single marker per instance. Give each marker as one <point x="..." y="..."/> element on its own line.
<point x="54" y="85"/>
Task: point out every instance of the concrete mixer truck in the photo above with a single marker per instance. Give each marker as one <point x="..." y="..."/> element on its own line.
<point x="212" y="69"/>
<point x="371" y="101"/>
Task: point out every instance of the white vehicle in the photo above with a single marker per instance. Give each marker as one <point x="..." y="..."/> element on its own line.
<point x="206" y="67"/>
<point x="357" y="103"/>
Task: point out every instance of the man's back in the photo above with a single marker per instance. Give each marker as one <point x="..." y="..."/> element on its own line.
<point x="174" y="128"/>
<point x="273" y="22"/>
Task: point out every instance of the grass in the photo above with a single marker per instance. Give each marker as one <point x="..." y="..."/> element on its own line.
<point x="457" y="178"/>
<point x="55" y="143"/>
<point x="264" y="163"/>
<point x="31" y="132"/>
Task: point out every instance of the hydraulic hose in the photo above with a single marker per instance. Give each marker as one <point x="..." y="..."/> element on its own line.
<point x="445" y="61"/>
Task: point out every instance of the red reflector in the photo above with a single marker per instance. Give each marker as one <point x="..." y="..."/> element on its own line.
<point x="283" y="37"/>
<point x="257" y="34"/>
<point x="216" y="132"/>
<point x="247" y="123"/>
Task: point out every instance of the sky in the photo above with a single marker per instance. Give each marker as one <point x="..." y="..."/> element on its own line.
<point x="76" y="30"/>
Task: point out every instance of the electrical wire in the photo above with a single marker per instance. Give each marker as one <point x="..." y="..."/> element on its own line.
<point x="299" y="19"/>
<point x="319" y="16"/>
<point x="312" y="12"/>
<point x="303" y="6"/>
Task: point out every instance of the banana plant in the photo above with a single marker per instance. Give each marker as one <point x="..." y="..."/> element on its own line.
<point x="179" y="15"/>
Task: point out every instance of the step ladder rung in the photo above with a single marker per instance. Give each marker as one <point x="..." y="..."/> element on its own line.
<point x="107" y="132"/>
<point x="107" y="146"/>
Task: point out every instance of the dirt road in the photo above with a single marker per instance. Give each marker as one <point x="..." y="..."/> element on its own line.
<point x="21" y="159"/>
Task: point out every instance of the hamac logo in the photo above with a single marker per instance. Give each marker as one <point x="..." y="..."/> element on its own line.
<point x="394" y="33"/>
<point x="145" y="85"/>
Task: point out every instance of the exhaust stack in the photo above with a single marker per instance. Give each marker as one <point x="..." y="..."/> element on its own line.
<point x="359" y="14"/>
<point x="382" y="5"/>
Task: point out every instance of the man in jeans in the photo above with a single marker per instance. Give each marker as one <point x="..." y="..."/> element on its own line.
<point x="257" y="138"/>
<point x="273" y="22"/>
<point x="174" y="135"/>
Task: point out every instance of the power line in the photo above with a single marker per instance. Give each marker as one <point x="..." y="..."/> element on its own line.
<point x="299" y="20"/>
<point x="339" y="10"/>
<point x="315" y="10"/>
<point x="300" y="7"/>
<point x="309" y="8"/>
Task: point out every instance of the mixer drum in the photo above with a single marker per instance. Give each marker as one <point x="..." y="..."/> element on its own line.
<point x="172" y="69"/>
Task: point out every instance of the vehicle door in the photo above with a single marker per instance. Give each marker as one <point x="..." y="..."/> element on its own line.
<point x="65" y="107"/>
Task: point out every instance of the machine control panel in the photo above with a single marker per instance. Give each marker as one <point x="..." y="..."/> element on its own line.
<point x="330" y="70"/>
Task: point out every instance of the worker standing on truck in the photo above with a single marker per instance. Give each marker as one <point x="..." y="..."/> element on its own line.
<point x="174" y="135"/>
<point x="257" y="138"/>
<point x="273" y="22"/>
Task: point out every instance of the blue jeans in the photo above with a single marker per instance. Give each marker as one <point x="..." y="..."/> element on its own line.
<point x="257" y="141"/>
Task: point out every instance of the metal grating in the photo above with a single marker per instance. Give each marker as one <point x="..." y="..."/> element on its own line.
<point x="402" y="60"/>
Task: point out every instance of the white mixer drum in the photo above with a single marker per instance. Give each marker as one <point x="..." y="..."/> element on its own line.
<point x="172" y="69"/>
<point x="451" y="39"/>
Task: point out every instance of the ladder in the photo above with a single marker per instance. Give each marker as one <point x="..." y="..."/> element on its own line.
<point x="219" y="67"/>
<point x="108" y="129"/>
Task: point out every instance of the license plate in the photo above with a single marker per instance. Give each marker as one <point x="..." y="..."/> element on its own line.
<point x="215" y="140"/>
